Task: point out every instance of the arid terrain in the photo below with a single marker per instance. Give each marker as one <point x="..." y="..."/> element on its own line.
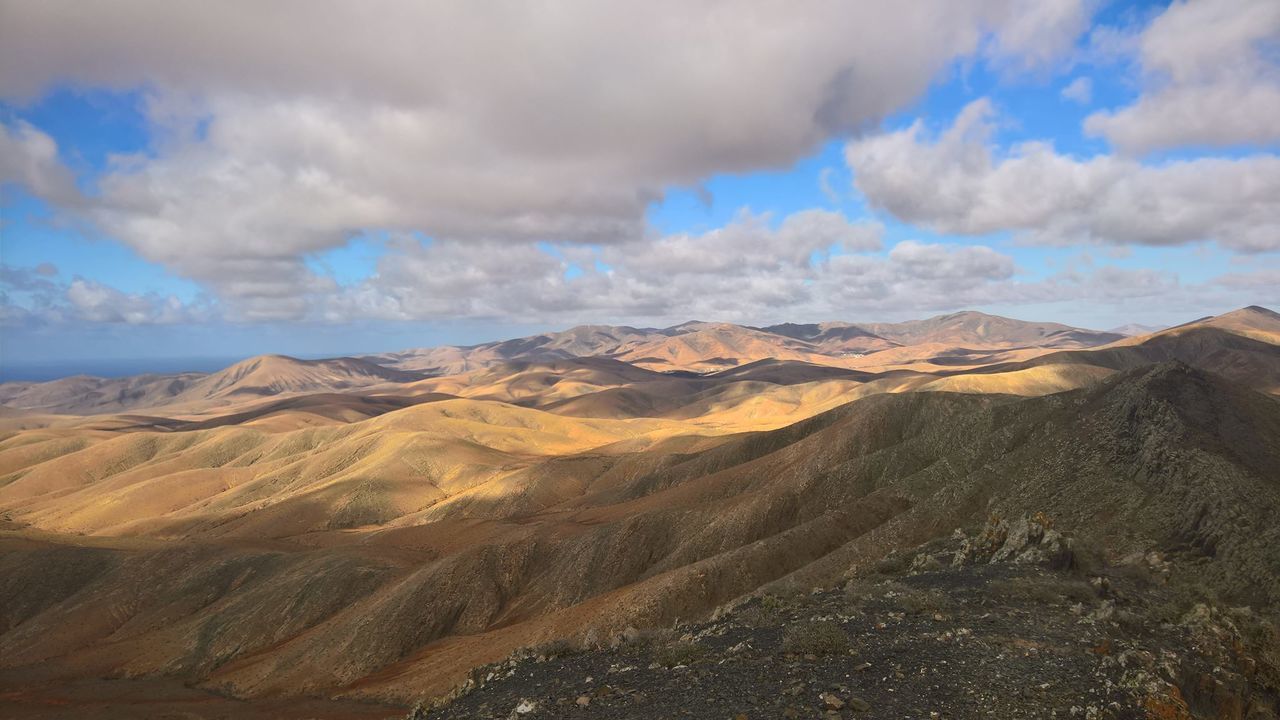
<point x="351" y="537"/>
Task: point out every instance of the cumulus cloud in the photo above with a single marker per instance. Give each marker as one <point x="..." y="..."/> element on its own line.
<point x="1211" y="78"/>
<point x="742" y="266"/>
<point x="96" y="302"/>
<point x="285" y="129"/>
<point x="1038" y="32"/>
<point x="928" y="262"/>
<point x="1079" y="91"/>
<point x="30" y="295"/>
<point x="29" y="159"/>
<point x="686" y="276"/>
<point x="958" y="183"/>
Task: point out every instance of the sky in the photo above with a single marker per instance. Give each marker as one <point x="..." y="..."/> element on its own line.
<point x="215" y="180"/>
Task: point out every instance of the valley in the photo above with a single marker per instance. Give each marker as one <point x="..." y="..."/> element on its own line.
<point x="362" y="533"/>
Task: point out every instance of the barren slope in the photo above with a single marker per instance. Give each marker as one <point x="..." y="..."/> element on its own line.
<point x="1164" y="457"/>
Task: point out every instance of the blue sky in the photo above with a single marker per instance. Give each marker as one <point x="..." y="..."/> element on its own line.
<point x="164" y="201"/>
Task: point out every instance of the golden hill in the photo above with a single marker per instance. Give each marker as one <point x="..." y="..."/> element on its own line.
<point x="341" y="530"/>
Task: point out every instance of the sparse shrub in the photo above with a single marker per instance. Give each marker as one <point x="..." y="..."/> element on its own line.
<point x="815" y="637"/>
<point x="757" y="616"/>
<point x="553" y="649"/>
<point x="1087" y="556"/>
<point x="922" y="602"/>
<point x="649" y="638"/>
<point x="1180" y="599"/>
<point x="595" y="640"/>
<point x="1046" y="590"/>
<point x="1260" y="637"/>
<point x="679" y="652"/>
<point x="895" y="563"/>
<point x="767" y="611"/>
<point x="992" y="536"/>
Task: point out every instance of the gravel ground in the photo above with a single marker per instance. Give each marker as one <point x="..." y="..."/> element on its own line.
<point x="997" y="640"/>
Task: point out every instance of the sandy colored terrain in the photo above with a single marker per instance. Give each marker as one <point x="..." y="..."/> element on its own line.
<point x="355" y="534"/>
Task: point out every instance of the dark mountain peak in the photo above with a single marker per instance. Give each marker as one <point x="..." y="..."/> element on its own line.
<point x="1260" y="309"/>
<point x="798" y="331"/>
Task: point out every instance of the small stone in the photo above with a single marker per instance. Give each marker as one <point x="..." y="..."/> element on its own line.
<point x="832" y="701"/>
<point x="583" y="700"/>
<point x="857" y="704"/>
<point x="525" y="706"/>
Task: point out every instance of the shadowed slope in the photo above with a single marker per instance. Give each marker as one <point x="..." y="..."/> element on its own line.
<point x="1164" y="456"/>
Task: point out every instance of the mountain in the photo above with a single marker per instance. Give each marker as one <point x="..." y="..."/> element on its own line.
<point x="709" y="347"/>
<point x="1234" y="345"/>
<point x="959" y="623"/>
<point x="83" y="394"/>
<point x="647" y="371"/>
<point x="1135" y="330"/>
<point x="256" y="377"/>
<point x="580" y="341"/>
<point x="833" y="338"/>
<point x="1255" y="322"/>
<point x="380" y="560"/>
<point x="979" y="330"/>
<point x="275" y="374"/>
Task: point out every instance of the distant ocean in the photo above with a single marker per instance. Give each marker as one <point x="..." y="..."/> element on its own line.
<point x="118" y="367"/>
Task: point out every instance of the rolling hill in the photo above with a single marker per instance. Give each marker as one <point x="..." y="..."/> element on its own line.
<point x="363" y="536"/>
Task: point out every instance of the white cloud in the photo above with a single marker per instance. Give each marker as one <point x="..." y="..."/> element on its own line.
<point x="29" y="295"/>
<point x="96" y="302"/>
<point x="932" y="262"/>
<point x="958" y="183"/>
<point x="1211" y="78"/>
<point x="286" y="128"/>
<point x="1035" y="33"/>
<point x="29" y="158"/>
<point x="1079" y="91"/>
<point x="685" y="276"/>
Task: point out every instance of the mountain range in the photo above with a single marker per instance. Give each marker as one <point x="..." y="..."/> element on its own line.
<point x="347" y="537"/>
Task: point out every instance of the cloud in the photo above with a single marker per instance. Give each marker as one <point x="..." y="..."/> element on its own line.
<point x="1079" y="91"/>
<point x="95" y="302"/>
<point x="1211" y="78"/>
<point x="285" y="130"/>
<point x="1038" y="32"/>
<point x="688" y="276"/>
<point x="32" y="280"/>
<point x="957" y="183"/>
<point x="740" y="267"/>
<point x="932" y="262"/>
<point x="30" y="296"/>
<point x="29" y="159"/>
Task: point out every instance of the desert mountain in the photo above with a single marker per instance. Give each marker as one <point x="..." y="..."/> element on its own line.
<point x="482" y="528"/>
<point x="1241" y="345"/>
<point x="708" y="347"/>
<point x="83" y="394"/>
<point x="275" y="374"/>
<point x="648" y="372"/>
<point x="979" y="330"/>
<point x="1255" y="322"/>
<point x="364" y="536"/>
<point x="1135" y="329"/>
<point x="833" y="338"/>
<point x="580" y="341"/>
<point x="256" y="377"/>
